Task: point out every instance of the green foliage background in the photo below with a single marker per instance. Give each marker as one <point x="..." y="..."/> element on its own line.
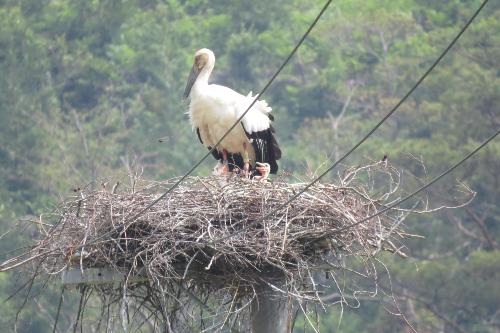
<point x="87" y="88"/>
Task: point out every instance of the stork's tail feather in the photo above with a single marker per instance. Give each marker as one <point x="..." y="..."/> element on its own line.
<point x="274" y="152"/>
<point x="260" y="105"/>
<point x="266" y="148"/>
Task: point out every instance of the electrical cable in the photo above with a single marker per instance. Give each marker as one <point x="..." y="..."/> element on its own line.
<point x="405" y="97"/>
<point x="241" y="117"/>
<point x="338" y="161"/>
<point x="401" y="101"/>
<point x="379" y="212"/>
<point x="178" y="182"/>
<point x="420" y="189"/>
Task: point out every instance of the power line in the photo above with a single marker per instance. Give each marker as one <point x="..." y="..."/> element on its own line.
<point x="294" y="50"/>
<point x="397" y="203"/>
<point x="262" y="92"/>
<point x="313" y="24"/>
<point x="405" y="97"/>
<point x="379" y="212"/>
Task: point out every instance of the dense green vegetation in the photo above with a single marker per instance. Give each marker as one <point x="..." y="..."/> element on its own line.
<point x="87" y="88"/>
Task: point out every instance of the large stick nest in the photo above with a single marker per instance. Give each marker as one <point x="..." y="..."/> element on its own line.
<point x="211" y="230"/>
<point x="217" y="241"/>
<point x="213" y="240"/>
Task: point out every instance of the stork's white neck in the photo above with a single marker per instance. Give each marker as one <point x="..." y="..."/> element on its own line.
<point x="202" y="79"/>
<point x="205" y="74"/>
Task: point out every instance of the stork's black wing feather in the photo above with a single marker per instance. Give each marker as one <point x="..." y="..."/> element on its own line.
<point x="266" y="147"/>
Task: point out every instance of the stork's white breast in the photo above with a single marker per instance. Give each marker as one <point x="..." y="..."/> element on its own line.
<point x="214" y="111"/>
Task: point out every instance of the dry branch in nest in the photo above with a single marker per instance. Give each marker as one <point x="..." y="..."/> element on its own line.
<point x="195" y="232"/>
<point x="207" y="237"/>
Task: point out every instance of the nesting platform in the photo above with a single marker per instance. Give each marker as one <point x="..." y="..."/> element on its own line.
<point x="217" y="240"/>
<point x="212" y="230"/>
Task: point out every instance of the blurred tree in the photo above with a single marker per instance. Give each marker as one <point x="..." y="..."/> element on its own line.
<point x="91" y="90"/>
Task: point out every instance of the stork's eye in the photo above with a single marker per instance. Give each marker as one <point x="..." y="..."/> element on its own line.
<point x="200" y="61"/>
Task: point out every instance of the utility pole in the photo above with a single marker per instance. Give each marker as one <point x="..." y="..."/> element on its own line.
<point x="270" y="311"/>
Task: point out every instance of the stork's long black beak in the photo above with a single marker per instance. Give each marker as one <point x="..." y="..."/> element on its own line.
<point x="195" y="71"/>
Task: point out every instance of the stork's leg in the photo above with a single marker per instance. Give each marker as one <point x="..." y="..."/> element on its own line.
<point x="246" y="161"/>
<point x="264" y="169"/>
<point x="225" y="162"/>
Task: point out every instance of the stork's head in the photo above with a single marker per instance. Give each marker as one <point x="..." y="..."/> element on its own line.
<point x="204" y="61"/>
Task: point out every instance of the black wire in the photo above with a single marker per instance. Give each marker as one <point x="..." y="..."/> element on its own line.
<point x="379" y="212"/>
<point x="414" y="87"/>
<point x="106" y="234"/>
<point x="241" y="117"/>
<point x="397" y="203"/>
<point x="338" y="161"/>
<point x="61" y="298"/>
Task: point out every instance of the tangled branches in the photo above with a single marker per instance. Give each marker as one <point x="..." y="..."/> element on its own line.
<point x="190" y="246"/>
<point x="194" y="232"/>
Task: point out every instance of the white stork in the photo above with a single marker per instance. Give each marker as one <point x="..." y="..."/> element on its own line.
<point x="213" y="109"/>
